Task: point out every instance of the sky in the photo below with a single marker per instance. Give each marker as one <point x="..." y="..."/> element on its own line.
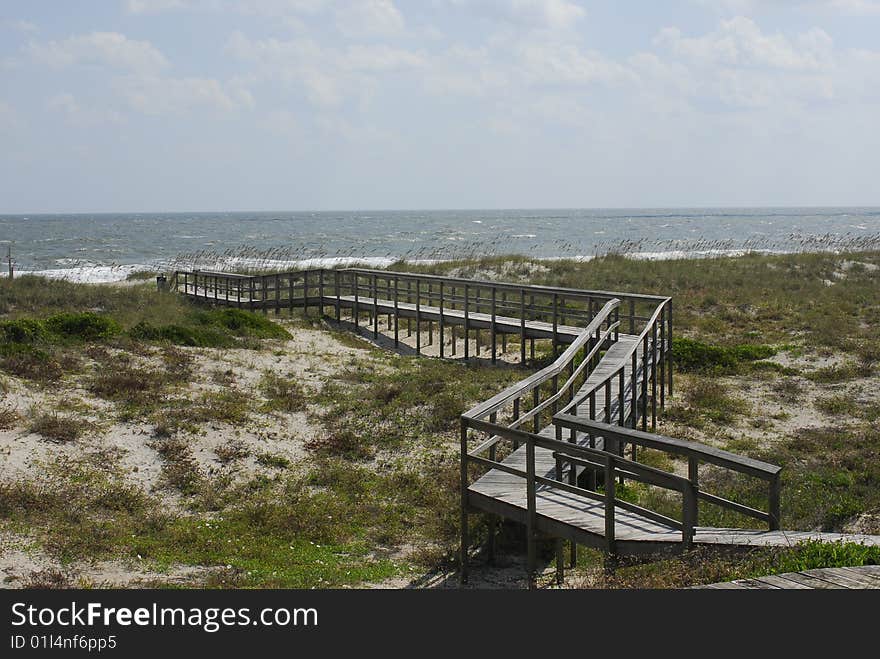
<point x="187" y="105"/>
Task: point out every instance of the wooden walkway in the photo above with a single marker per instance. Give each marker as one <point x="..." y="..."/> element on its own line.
<point x="865" y="577"/>
<point x="550" y="450"/>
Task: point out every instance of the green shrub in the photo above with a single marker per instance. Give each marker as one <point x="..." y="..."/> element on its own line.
<point x="23" y="330"/>
<point x="693" y="355"/>
<point x="199" y="337"/>
<point x="85" y="326"/>
<point x="244" y="323"/>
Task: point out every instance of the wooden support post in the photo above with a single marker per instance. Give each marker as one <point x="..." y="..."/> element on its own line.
<point x="515" y="418"/>
<point x="610" y="544"/>
<point x="440" y="327"/>
<point x="306" y="292"/>
<point x="531" y="519"/>
<point x="277" y="294"/>
<point x="466" y="322"/>
<point x="418" y="318"/>
<point x="253" y="293"/>
<point x="492" y="329"/>
<point x="645" y="383"/>
<point x="375" y="310"/>
<point x="654" y="350"/>
<point x="338" y="296"/>
<point x="662" y="349"/>
<point x="356" y="310"/>
<point x="560" y="557"/>
<point x="321" y="293"/>
<point x="465" y="540"/>
<point x="668" y="346"/>
<point x="396" y="311"/>
<point x="522" y="327"/>
<point x="634" y="390"/>
<point x="504" y="334"/>
<point x="555" y="325"/>
<point x="775" y="486"/>
<point x="632" y="316"/>
<point x="408" y="301"/>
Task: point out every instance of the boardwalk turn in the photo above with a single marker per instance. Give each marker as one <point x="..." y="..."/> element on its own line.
<point x="550" y="450"/>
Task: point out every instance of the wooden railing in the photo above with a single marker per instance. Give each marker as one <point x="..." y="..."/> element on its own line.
<point x="649" y="371"/>
<point x="482" y="303"/>
<point x="696" y="454"/>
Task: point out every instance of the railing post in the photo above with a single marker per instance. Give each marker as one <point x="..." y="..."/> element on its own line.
<point x="465" y="540"/>
<point x="466" y="322"/>
<point x="522" y="327"/>
<point x="645" y="382"/>
<point x="654" y="376"/>
<point x="662" y="357"/>
<point x="418" y="317"/>
<point x="277" y="294"/>
<point x="515" y="418"/>
<point x="688" y="515"/>
<point x="396" y="310"/>
<point x="440" y="323"/>
<point x="634" y="389"/>
<point x="375" y="310"/>
<point x="555" y="324"/>
<point x="668" y="346"/>
<point x="632" y="316"/>
<point x="532" y="504"/>
<point x="357" y="311"/>
<point x="609" y="504"/>
<point x="321" y="293"/>
<point x="775" y="486"/>
<point x="336" y="284"/>
<point x="494" y="339"/>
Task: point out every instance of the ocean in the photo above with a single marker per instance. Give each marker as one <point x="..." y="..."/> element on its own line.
<point x="109" y="246"/>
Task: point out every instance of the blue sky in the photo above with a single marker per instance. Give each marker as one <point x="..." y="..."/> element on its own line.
<point x="151" y="105"/>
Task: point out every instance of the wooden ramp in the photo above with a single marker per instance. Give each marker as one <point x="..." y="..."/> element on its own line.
<point x="865" y="577"/>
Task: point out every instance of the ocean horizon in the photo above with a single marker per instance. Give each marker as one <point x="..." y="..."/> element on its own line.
<point x="104" y="247"/>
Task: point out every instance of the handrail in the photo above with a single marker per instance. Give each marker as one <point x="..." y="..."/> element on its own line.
<point x="622" y="360"/>
<point x="695" y="453"/>
<point x="549" y="290"/>
<point x="516" y="390"/>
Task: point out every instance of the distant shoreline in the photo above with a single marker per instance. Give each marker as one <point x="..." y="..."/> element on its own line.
<point x="114" y="274"/>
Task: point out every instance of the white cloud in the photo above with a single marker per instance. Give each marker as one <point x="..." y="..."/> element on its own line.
<point x="566" y="64"/>
<point x="369" y="18"/>
<point x="553" y="14"/>
<point x="110" y="49"/>
<point x="857" y="7"/>
<point x="77" y="115"/>
<point x="327" y="75"/>
<point x="25" y="27"/>
<point x="154" y="95"/>
<point x="739" y="41"/>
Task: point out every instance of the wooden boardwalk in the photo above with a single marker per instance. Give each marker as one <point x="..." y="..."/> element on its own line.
<point x="550" y="450"/>
<point x="865" y="577"/>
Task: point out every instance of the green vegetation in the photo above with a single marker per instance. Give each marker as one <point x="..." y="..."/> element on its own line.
<point x="282" y="394"/>
<point x="693" y="355"/>
<point x="59" y="428"/>
<point x="706" y="401"/>
<point x="381" y="469"/>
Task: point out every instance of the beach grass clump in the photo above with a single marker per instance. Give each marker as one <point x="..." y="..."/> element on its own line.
<point x="282" y="394"/>
<point x="59" y="428"/>
<point x="189" y="414"/>
<point x="835" y="373"/>
<point x="706" y="401"/>
<point x="838" y="405"/>
<point x="46" y="366"/>
<point x="272" y="460"/>
<point x="233" y="450"/>
<point x="9" y="418"/>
